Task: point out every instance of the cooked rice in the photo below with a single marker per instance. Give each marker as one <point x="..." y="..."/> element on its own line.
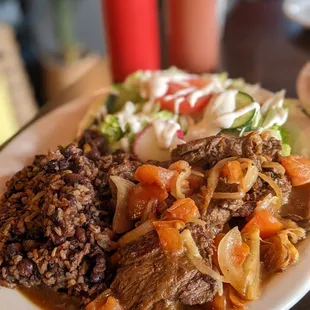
<point x="54" y="224"/>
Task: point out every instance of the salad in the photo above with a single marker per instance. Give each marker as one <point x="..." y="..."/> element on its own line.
<point x="154" y="111"/>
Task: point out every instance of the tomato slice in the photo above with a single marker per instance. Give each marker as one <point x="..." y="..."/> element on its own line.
<point x="184" y="106"/>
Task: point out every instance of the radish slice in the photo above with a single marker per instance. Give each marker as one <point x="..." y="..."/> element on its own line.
<point x="146" y="147"/>
<point x="180" y="134"/>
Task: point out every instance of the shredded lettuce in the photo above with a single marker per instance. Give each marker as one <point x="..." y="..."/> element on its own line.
<point x="273" y="110"/>
<point x="111" y="129"/>
<point x="283" y="135"/>
<point x="223" y="76"/>
<point x="164" y="115"/>
<point x="238" y="84"/>
<point x="286" y="141"/>
<point x="127" y="91"/>
<point x="286" y="149"/>
<point x="275" y="132"/>
<point x="132" y="81"/>
<point x="286" y="136"/>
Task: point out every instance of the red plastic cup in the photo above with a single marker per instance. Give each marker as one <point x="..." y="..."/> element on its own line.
<point x="132" y="35"/>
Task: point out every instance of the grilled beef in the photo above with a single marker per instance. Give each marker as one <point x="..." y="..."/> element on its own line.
<point x="148" y="277"/>
<point x="210" y="150"/>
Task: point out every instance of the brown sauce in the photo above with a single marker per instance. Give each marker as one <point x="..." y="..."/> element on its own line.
<point x="299" y="202"/>
<point x="47" y="299"/>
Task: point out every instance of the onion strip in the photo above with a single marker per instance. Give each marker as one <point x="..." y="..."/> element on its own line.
<point x="121" y="221"/>
<point x="194" y="256"/>
<point x="148" y="211"/>
<point x="197" y="221"/>
<point x="205" y="269"/>
<point x="136" y="233"/>
<point x="245" y="278"/>
<point x="220" y="286"/>
<point x="251" y="266"/>
<point x="232" y="272"/>
<point x="212" y="181"/>
<point x="268" y="203"/>
<point x="197" y="173"/>
<point x="274" y="165"/>
<point x="176" y="188"/>
<point x="274" y="186"/>
<point x="251" y="174"/>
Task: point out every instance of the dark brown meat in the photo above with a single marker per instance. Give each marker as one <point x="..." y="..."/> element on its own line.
<point x="216" y="218"/>
<point x="114" y="164"/>
<point x="283" y="183"/>
<point x="229" y="204"/>
<point x="272" y="148"/>
<point x="247" y="209"/>
<point x="203" y="237"/>
<point x="125" y="170"/>
<point x="148" y="277"/>
<point x="208" y="151"/>
<point x="93" y="144"/>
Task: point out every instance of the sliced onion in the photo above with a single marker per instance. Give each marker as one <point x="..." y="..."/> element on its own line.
<point x="251" y="266"/>
<point x="194" y="256"/>
<point x="148" y="211"/>
<point x="220" y="286"/>
<point x="269" y="203"/>
<point x="176" y="188"/>
<point x="274" y="165"/>
<point x="222" y="195"/>
<point x="99" y="301"/>
<point x="212" y="180"/>
<point x="251" y="175"/>
<point x="295" y="234"/>
<point x="278" y="252"/>
<point x="121" y="221"/>
<point x="287" y="223"/>
<point x="289" y="237"/>
<point x="274" y="186"/>
<point x="189" y="243"/>
<point x="244" y="278"/>
<point x="136" y="233"/>
<point x="197" y="173"/>
<point x="232" y="272"/>
<point x="205" y="269"/>
<point x="198" y="221"/>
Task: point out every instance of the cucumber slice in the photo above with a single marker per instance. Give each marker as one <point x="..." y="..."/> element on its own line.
<point x="242" y="100"/>
<point x="257" y="120"/>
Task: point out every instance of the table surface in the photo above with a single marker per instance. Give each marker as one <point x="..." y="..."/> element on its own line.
<point x="260" y="45"/>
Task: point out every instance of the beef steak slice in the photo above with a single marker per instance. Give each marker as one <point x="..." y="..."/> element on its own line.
<point x="148" y="277"/>
<point x="210" y="150"/>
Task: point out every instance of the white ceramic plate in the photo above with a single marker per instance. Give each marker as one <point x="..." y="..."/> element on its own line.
<point x="298" y="11"/>
<point x="60" y="126"/>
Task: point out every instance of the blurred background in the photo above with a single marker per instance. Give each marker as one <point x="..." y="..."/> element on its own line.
<point x="54" y="51"/>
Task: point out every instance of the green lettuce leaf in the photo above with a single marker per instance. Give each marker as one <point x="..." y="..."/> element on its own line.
<point x="286" y="150"/>
<point x="164" y="115"/>
<point x="282" y="134"/>
<point x="110" y="129"/>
